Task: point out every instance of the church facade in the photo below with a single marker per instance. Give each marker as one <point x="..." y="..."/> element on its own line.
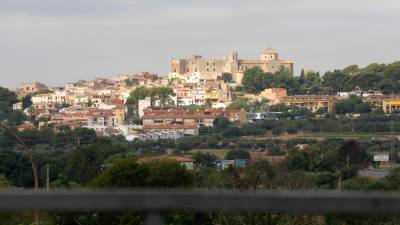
<point x="209" y="68"/>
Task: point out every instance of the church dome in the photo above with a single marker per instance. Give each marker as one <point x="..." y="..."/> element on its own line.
<point x="269" y="50"/>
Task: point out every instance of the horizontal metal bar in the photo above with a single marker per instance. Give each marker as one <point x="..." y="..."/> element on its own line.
<point x="164" y="200"/>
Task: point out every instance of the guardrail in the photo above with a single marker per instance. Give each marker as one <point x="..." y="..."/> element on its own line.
<point x="154" y="202"/>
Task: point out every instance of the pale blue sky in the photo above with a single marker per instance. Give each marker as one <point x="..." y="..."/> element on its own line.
<point x="56" y="41"/>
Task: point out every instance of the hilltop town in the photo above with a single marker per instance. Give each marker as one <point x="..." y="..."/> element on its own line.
<point x="194" y="93"/>
<point x="209" y="123"/>
<point x="105" y="104"/>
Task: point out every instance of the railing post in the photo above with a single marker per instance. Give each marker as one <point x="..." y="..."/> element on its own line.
<point x="154" y="218"/>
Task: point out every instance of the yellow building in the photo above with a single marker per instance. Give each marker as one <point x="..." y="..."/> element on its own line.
<point x="391" y="106"/>
<point x="119" y="114"/>
<point x="311" y="102"/>
<point x="213" y="95"/>
<point x="388" y="103"/>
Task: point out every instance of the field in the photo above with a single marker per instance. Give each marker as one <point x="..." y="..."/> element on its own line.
<point x="323" y="135"/>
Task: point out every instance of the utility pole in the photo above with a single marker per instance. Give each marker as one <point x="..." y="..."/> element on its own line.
<point x="47" y="178"/>
<point x="33" y="163"/>
<point x="392" y="151"/>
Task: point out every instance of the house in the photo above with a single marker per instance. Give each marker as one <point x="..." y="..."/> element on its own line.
<point x="311" y="102"/>
<point x="142" y="105"/>
<point x="186" y="129"/>
<point x="199" y="118"/>
<point x="101" y="118"/>
<point x="183" y="161"/>
<point x="17" y="106"/>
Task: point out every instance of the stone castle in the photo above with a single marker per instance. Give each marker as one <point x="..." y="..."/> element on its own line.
<point x="207" y="68"/>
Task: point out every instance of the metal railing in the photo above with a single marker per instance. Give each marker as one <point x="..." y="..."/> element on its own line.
<point x="154" y="202"/>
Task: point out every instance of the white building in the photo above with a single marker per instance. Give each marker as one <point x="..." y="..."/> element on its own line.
<point x="17" y="106"/>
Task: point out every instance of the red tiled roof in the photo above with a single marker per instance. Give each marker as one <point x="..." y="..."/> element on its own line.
<point x="167" y="157"/>
<point x="26" y="126"/>
<point x="169" y="126"/>
<point x="183" y="114"/>
<point x="101" y="112"/>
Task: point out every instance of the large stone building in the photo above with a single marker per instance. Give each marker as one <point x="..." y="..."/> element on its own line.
<point x="209" y="68"/>
<point x="30" y="88"/>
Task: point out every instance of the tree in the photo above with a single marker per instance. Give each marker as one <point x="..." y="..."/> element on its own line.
<point x="232" y="131"/>
<point x="128" y="173"/>
<point x="15" y="118"/>
<point x="302" y="75"/>
<point x="350" y="153"/>
<point x="162" y="96"/>
<point x="227" y="77"/>
<point x="7" y="99"/>
<point x="279" y="108"/>
<point x="351" y="70"/>
<point x="221" y="123"/>
<point x="204" y="159"/>
<point x="348" y="105"/>
<point x="255" y="80"/>
<point x="238" y="103"/>
<point x="364" y="107"/>
<point x="237" y="154"/>
<point x="335" y="81"/>
<point x="297" y="160"/>
<point x="4" y="183"/>
<point x="167" y="173"/>
<point x="89" y="102"/>
<point x="123" y="173"/>
<point x="26" y="101"/>
<point x="188" y="143"/>
<point x="139" y="93"/>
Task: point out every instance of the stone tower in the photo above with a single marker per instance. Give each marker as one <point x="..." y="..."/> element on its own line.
<point x="231" y="62"/>
<point x="269" y="54"/>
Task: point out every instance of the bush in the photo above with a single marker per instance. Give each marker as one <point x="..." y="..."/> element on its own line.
<point x="277" y="131"/>
<point x="237" y="154"/>
<point x="232" y="132"/>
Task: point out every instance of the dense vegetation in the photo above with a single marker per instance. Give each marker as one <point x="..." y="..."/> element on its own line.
<point x="378" y="77"/>
<point x="79" y="159"/>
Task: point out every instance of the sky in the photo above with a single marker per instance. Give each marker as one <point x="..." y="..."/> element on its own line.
<point x="59" y="41"/>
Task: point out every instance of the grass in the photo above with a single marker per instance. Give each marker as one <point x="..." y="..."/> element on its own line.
<point x="220" y="153"/>
<point x="325" y="135"/>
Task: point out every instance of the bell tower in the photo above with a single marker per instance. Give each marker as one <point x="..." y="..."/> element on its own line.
<point x="269" y="54"/>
